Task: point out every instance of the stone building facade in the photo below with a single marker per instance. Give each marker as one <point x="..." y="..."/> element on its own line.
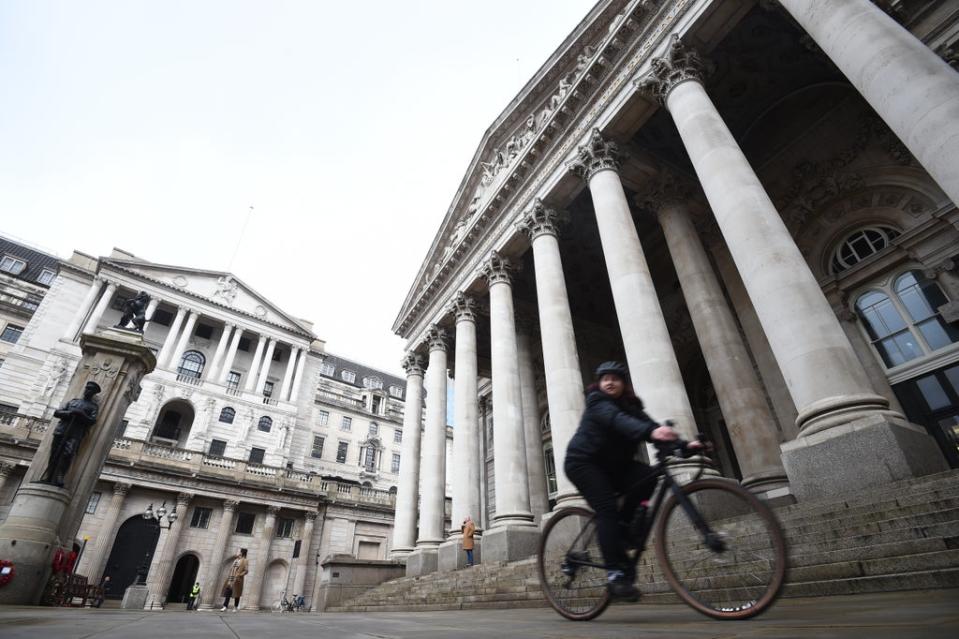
<point x="753" y="205"/>
<point x="248" y="430"/>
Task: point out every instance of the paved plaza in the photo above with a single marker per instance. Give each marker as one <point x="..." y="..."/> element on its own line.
<point x="907" y="615"/>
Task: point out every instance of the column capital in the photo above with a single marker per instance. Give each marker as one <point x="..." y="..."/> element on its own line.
<point x="498" y="269"/>
<point x="311" y="516"/>
<point x="596" y="155"/>
<point x="121" y="488"/>
<point x="413" y="364"/>
<point x="182" y="499"/>
<point x="942" y="266"/>
<point x="272" y="511"/>
<point x="665" y="188"/>
<point x="230" y="504"/>
<point x="680" y="64"/>
<point x="437" y="338"/>
<point x="540" y="219"/>
<point x="6" y="469"/>
<point x="463" y="308"/>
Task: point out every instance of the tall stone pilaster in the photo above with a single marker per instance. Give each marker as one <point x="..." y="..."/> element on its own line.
<point x="253" y="584"/>
<point x="305" y="545"/>
<point x="107" y="531"/>
<point x="160" y="572"/>
<point x="209" y="576"/>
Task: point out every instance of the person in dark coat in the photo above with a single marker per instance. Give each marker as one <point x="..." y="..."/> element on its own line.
<point x="601" y="463"/>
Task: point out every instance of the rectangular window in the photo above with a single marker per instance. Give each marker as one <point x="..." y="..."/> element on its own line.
<point x="377" y="401"/>
<point x="346" y="424"/>
<point x="348" y="376"/>
<point x="203" y="331"/>
<point x="268" y="389"/>
<point x="397" y="436"/>
<point x="46" y="277"/>
<point x="122" y="428"/>
<point x="256" y="455"/>
<point x="324" y="417"/>
<point x="11" y="333"/>
<point x="327" y="369"/>
<point x="395" y="466"/>
<point x="201" y="517"/>
<point x="12" y="265"/>
<point x="217" y="448"/>
<point x="317" y="447"/>
<point x="396" y="391"/>
<point x="93" y="502"/>
<point x="161" y="317"/>
<point x="341" y="451"/>
<point x="233" y="380"/>
<point x="284" y="528"/>
<point x="244" y="523"/>
<point x="277" y="355"/>
<point x="374" y="429"/>
<point x="244" y="344"/>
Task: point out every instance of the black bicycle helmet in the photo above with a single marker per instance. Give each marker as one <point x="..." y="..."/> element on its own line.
<point x="612" y="368"/>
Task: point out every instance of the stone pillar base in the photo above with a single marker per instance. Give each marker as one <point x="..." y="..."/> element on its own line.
<point x="510" y="542"/>
<point x="422" y="561"/>
<point x="859" y="455"/>
<point x="28" y="538"/>
<point x="453" y="557"/>
<point x="135" y="597"/>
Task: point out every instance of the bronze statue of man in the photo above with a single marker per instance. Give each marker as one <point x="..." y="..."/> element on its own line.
<point x="76" y="417"/>
<point x="135" y="309"/>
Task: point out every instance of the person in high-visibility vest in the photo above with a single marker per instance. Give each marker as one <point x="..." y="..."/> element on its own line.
<point x="194" y="597"/>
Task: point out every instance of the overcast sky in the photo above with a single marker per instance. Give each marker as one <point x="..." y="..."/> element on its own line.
<point x="154" y="126"/>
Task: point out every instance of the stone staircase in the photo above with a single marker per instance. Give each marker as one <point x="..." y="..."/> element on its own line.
<point x="902" y="537"/>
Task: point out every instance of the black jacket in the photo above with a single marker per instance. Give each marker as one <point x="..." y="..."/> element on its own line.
<point x="610" y="430"/>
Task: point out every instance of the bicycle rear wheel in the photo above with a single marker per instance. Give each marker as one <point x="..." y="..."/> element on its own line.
<point x="571" y="568"/>
<point x="736" y="572"/>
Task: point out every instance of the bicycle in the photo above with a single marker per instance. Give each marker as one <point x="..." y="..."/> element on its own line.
<point x="287" y="605"/>
<point x="721" y="550"/>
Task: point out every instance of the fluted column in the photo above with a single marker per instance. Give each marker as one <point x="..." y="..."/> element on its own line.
<point x="407" y="492"/>
<point x="181" y="344"/>
<point x="911" y="88"/>
<point x="298" y="376"/>
<point x="214" y="368"/>
<point x="433" y="473"/>
<point x="159" y="579"/>
<point x="265" y="368"/>
<point x="230" y="356"/>
<point x="649" y="351"/>
<point x="255" y="365"/>
<point x="171" y="337"/>
<point x="288" y="374"/>
<point x="303" y="560"/>
<point x="749" y="421"/>
<point x="210" y="570"/>
<point x="100" y="308"/>
<point x="251" y="598"/>
<point x="71" y="333"/>
<point x="564" y="379"/>
<point x="532" y="433"/>
<point x="107" y="530"/>
<point x="466" y="451"/>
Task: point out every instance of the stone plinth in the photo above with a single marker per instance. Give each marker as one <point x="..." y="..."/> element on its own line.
<point x="44" y="517"/>
<point x="135" y="597"/>
<point x="510" y="542"/>
<point x="453" y="557"/>
<point x="422" y="561"/>
<point x="343" y="578"/>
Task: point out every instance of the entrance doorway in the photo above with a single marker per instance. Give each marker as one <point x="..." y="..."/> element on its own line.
<point x="933" y="401"/>
<point x="136" y="540"/>
<point x="184" y="576"/>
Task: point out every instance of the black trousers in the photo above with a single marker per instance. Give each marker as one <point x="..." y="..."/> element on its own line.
<point x="601" y="486"/>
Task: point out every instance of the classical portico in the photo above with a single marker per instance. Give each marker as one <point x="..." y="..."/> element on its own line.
<point x="684" y="189"/>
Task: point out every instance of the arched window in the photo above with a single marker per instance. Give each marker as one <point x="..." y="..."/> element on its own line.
<point x="921" y="298"/>
<point x="191" y="365"/>
<point x="265" y="424"/>
<point x="861" y="244"/>
<point x="888" y="331"/>
<point x="227" y="415"/>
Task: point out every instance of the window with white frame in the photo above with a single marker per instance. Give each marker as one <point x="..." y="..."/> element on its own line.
<point x="327" y="369"/>
<point x="11" y="333"/>
<point x="374" y="429"/>
<point x="317" y="451"/>
<point x="550" y="465"/>
<point x="12" y="265"/>
<point x="372" y="382"/>
<point x="265" y="424"/>
<point x="256" y="455"/>
<point x="46" y="277"/>
<point x="396" y="391"/>
<point x="284" y="528"/>
<point x="227" y="415"/>
<point x="397" y="436"/>
<point x="233" y="380"/>
<point x="201" y="517"/>
<point x="395" y="465"/>
<point x="859" y="245"/>
<point x="93" y="502"/>
<point x="902" y="320"/>
<point x="341" y="450"/>
<point x="348" y="376"/>
<point x="346" y="424"/>
<point x="323" y="417"/>
<point x="217" y="448"/>
<point x="191" y="365"/>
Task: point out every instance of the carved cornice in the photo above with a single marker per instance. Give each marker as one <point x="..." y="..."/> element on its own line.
<point x="437" y="338"/>
<point x="665" y="188"/>
<point x="463" y="308"/>
<point x="540" y="219"/>
<point x="596" y="155"/>
<point x="121" y="488"/>
<point x="413" y="364"/>
<point x="498" y="269"/>
<point x="680" y="64"/>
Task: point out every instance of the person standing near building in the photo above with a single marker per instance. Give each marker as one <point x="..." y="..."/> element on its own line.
<point x="234" y="583"/>
<point x="469" y="528"/>
<point x="194" y="596"/>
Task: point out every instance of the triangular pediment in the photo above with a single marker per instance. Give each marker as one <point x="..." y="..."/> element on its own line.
<point x="216" y="287"/>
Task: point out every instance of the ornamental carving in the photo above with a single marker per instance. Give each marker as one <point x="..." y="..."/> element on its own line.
<point x="230" y="504"/>
<point x="413" y="364"/>
<point x="183" y="499"/>
<point x="540" y="219"/>
<point x="226" y="289"/>
<point x="103" y="370"/>
<point x="463" y="308"/>
<point x="680" y="64"/>
<point x="596" y="155"/>
<point x="665" y="188"/>
<point x="272" y="511"/>
<point x="437" y="338"/>
<point x="311" y="515"/>
<point x="498" y="269"/>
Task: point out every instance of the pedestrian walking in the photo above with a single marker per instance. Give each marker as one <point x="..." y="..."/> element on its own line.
<point x="234" y="583"/>
<point x="469" y="528"/>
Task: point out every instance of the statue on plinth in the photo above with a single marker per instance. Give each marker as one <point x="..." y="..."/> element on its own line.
<point x="135" y="310"/>
<point x="76" y="417"/>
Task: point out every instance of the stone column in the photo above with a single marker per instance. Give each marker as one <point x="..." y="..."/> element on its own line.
<point x="5" y="471"/>
<point x="532" y="432"/>
<point x="251" y="594"/>
<point x="160" y="572"/>
<point x="210" y="570"/>
<point x="71" y="333"/>
<point x="265" y="368"/>
<point x="840" y="415"/>
<point x="107" y="531"/>
<point x="230" y="356"/>
<point x="171" y="337"/>
<point x="42" y="516"/>
<point x="750" y="423"/>
<point x="649" y="350"/>
<point x="298" y="376"/>
<point x="303" y="559"/>
<point x="100" y="308"/>
<point x="512" y="534"/>
<point x="564" y="379"/>
<point x="466" y="450"/>
<point x="151" y="308"/>
<point x="181" y="344"/>
<point x="407" y="492"/>
<point x="424" y="559"/>
<point x="214" y="369"/>
<point x="255" y="365"/>
<point x="288" y="374"/>
<point x="911" y="88"/>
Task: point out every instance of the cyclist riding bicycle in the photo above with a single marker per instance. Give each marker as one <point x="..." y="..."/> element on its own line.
<point x="600" y="461"/>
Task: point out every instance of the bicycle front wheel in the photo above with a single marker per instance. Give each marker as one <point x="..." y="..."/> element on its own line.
<point x="571" y="568"/>
<point x="734" y="569"/>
